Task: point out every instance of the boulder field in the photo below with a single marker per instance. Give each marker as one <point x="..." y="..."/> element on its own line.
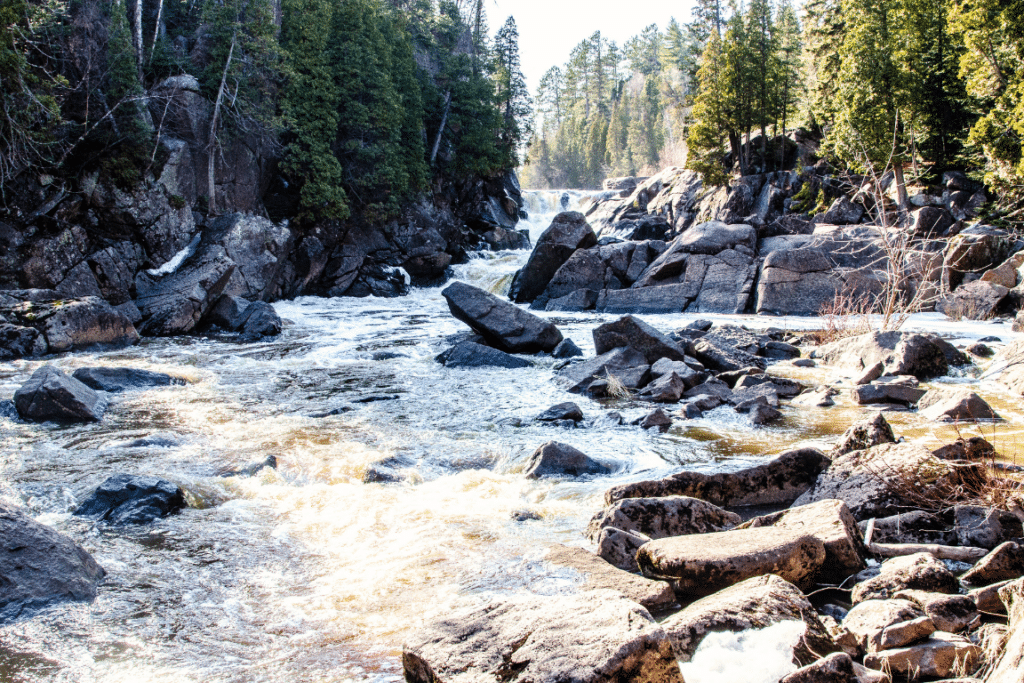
<point x="894" y="558"/>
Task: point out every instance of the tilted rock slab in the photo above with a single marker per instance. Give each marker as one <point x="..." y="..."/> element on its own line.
<point x="504" y="325"/>
<point x="599" y="574"/>
<point x="869" y="620"/>
<point x="920" y="571"/>
<point x="781" y="480"/>
<point x="50" y="394"/>
<point x="901" y="353"/>
<point x="40" y="566"/>
<point x="1009" y="668"/>
<point x="568" y="232"/>
<point x="702" y="564"/>
<point x="755" y="603"/>
<point x="831" y="522"/>
<point x="594" y="637"/>
<point x="939" y="656"/>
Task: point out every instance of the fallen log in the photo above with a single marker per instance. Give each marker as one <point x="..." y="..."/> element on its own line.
<point x="942" y="552"/>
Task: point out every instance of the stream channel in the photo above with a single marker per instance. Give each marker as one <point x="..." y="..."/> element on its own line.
<point x="305" y="573"/>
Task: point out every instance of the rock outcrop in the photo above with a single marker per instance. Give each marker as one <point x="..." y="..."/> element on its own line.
<point x="504" y="325"/>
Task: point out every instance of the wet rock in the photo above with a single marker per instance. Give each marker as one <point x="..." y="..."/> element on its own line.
<point x="804" y="363"/>
<point x="766" y="392"/>
<point x="523" y="515"/>
<point x="131" y="499"/>
<point x="877" y="482"/>
<point x="712" y="387"/>
<point x="51" y="395"/>
<point x="599" y="574"/>
<point x="567" y="349"/>
<point x="870" y="394"/>
<point x="916" y="526"/>
<point x="636" y="334"/>
<point x="939" y="656"/>
<point x="721" y="357"/>
<point x="701" y="565"/>
<point x="568" y="232"/>
<point x="870" y="374"/>
<point x="562" y="411"/>
<point x="762" y="414"/>
<point x="469" y="354"/>
<point x="618" y="547"/>
<point x="869" y="621"/>
<point x="227" y="312"/>
<point x="258" y="320"/>
<point x="626" y="365"/>
<point x="779" y="481"/>
<point x="671" y="298"/>
<point x="1007" y="367"/>
<point x="950" y="613"/>
<point x="504" y="325"/>
<point x="911" y="572"/>
<point x="174" y="304"/>
<point x="974" y="448"/>
<point x="665" y="389"/>
<point x="251" y="470"/>
<point x="819" y="398"/>
<point x="864" y="435"/>
<point x="67" y="325"/>
<point x="1008" y="667"/>
<point x="835" y="668"/>
<point x="656" y="419"/>
<point x="20" y="342"/>
<point x="978" y="300"/>
<point x="755" y="603"/>
<point x="592" y="637"/>
<point x="113" y="380"/>
<point x="578" y="300"/>
<point x="901" y="353"/>
<point x="554" y="459"/>
<point x="662" y="517"/>
<point x="831" y="522"/>
<point x="1005" y="562"/>
<point x="957" y="406"/>
<point x="981" y="350"/>
<point x="391" y="470"/>
<point x="983" y="527"/>
<point x="40" y="567"/>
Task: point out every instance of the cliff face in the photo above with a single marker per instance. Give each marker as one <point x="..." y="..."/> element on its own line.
<point x="88" y="236"/>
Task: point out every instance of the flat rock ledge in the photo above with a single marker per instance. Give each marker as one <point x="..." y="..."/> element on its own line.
<point x="594" y="637"/>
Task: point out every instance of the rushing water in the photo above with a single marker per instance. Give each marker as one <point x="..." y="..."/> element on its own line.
<point x="306" y="573"/>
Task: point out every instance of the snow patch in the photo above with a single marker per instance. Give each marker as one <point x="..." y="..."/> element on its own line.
<point x="177" y="259"/>
<point x="754" y="656"/>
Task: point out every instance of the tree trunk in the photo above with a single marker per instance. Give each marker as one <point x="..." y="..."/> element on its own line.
<point x="156" y="28"/>
<point x="137" y="31"/>
<point x="440" y="130"/>
<point x="211" y="186"/>
<point x="901" y="187"/>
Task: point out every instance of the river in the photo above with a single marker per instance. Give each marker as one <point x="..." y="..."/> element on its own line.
<point x="305" y="573"/>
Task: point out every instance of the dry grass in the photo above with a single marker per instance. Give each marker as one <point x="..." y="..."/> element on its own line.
<point x="616" y="389"/>
<point x="844" y="316"/>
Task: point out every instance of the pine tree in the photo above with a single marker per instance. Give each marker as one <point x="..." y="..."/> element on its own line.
<point x="710" y="115"/>
<point x="512" y="94"/>
<point x="824" y="28"/>
<point x="789" y="89"/>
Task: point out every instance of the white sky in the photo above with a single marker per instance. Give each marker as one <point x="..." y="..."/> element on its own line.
<point x="550" y="29"/>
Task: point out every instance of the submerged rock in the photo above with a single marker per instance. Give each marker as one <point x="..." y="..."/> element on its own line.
<point x="51" y="395"/>
<point x="115" y="380"/>
<point x="599" y="574"/>
<point x="40" y="567"/>
<point x="131" y="499"/>
<point x="594" y="637"/>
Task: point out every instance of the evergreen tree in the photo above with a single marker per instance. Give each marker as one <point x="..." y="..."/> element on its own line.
<point x="824" y="28"/>
<point x="512" y="95"/>
<point x="789" y="88"/>
<point x="710" y="115"/>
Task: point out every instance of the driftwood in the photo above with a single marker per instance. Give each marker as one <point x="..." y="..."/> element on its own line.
<point x="942" y="552"/>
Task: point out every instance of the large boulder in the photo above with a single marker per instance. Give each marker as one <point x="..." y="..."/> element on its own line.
<point x="863" y="435"/>
<point x="831" y="522"/>
<point x="66" y="325"/>
<point x="669" y="298"/>
<point x="796" y="282"/>
<point x="568" y="232"/>
<point x="882" y="480"/>
<point x="957" y="406"/>
<point x="940" y="656"/>
<point x="1009" y="665"/>
<point x="706" y="563"/>
<point x="901" y="353"/>
<point x="114" y="379"/>
<point x="868" y="621"/>
<point x="599" y="574"/>
<point x="260" y="248"/>
<point x="752" y="604"/>
<point x="502" y="324"/>
<point x="1005" y="562"/>
<point x="554" y="459"/>
<point x="51" y="395"/>
<point x="40" y="566"/>
<point x="173" y="300"/>
<point x="131" y="499"/>
<point x="662" y="517"/>
<point x="593" y="637"/>
<point x="780" y="481"/>
<point x="977" y="300"/>
<point x="634" y="333"/>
